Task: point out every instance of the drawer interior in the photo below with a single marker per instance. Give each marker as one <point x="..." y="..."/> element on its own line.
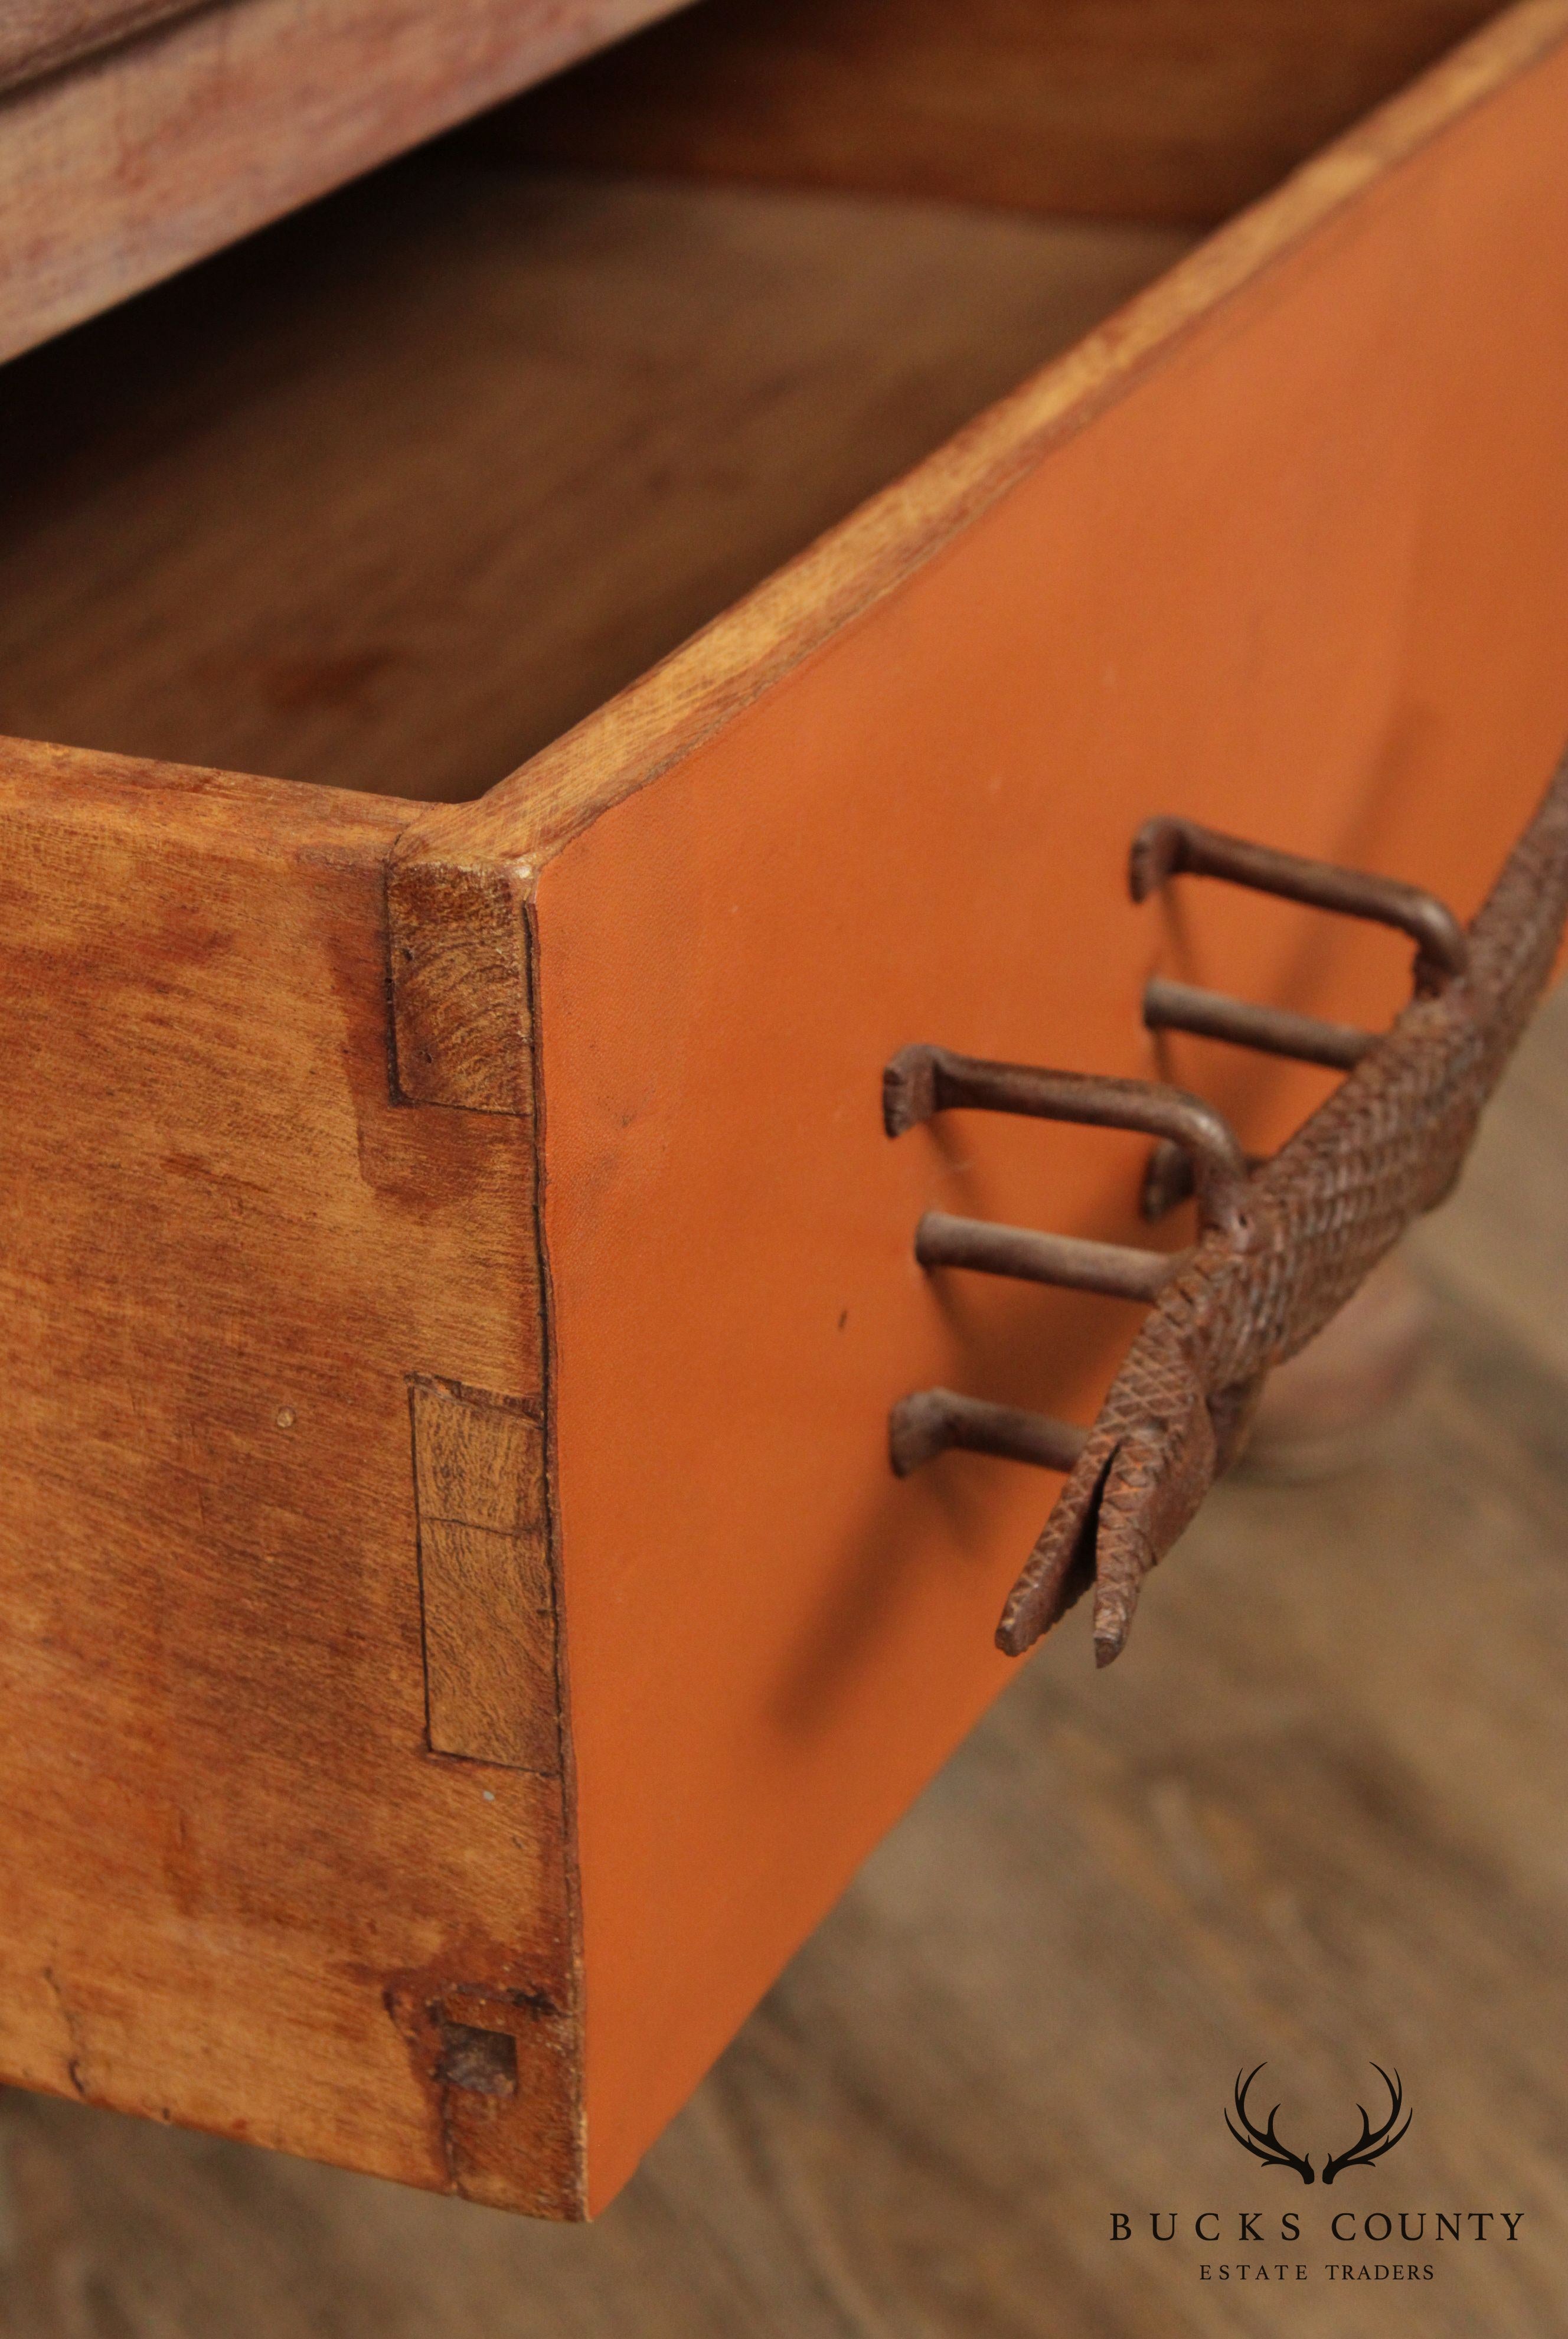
<point x="395" y="493"/>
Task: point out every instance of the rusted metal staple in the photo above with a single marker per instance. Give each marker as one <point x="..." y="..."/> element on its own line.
<point x="1282" y="1243"/>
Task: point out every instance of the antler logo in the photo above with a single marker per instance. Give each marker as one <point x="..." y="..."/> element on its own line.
<point x="1368" y="2149"/>
<point x="1372" y="2143"/>
<point x="1262" y="2143"/>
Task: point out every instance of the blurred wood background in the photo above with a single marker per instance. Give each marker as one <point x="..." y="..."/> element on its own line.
<point x="1315" y="1815"/>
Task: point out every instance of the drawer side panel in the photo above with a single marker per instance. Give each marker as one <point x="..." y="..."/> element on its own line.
<point x="245" y="1890"/>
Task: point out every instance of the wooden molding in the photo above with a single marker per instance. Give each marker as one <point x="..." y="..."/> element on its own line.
<point x="147" y="155"/>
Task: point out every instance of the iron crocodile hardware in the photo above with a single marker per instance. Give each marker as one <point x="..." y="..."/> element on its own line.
<point x="1282" y="1243"/>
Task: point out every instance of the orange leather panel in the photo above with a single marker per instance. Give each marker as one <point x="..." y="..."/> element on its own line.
<point x="1308" y="580"/>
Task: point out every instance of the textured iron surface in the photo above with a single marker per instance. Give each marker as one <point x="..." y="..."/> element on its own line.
<point x="1386" y="1146"/>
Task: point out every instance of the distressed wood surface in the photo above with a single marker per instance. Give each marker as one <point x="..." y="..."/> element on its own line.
<point x="39" y="36"/>
<point x="462" y="1019"/>
<point x="1181" y="111"/>
<point x="483" y="444"/>
<point x="225" y="1250"/>
<point x="1314" y="1816"/>
<point x="486" y="1584"/>
<point x="140" y="159"/>
<point x="1349" y="193"/>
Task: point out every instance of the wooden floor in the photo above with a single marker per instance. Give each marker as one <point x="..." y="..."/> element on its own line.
<point x="1316" y="1815"/>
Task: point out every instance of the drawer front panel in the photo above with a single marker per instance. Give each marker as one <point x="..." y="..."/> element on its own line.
<point x="1306" y="580"/>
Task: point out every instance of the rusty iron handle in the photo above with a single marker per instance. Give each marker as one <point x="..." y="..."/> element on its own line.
<point x="927" y="1424"/>
<point x="1273" y="1031"/>
<point x="922" y="1080"/>
<point x="1169" y="847"/>
<point x="1283" y="1243"/>
<point x="1116" y="1271"/>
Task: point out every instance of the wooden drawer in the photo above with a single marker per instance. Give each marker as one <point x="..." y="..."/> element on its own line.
<point x="459" y="1629"/>
<point x="137" y="135"/>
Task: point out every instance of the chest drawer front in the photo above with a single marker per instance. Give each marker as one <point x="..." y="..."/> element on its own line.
<point x="1306" y="579"/>
<point x="449" y="1539"/>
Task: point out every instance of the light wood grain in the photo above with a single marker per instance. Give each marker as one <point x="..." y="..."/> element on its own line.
<point x="1180" y="111"/>
<point x="715" y="678"/>
<point x="483" y="444"/>
<point x="462" y="1019"/>
<point x="487" y="1586"/>
<point x="1314" y="1816"/>
<point x="139" y="160"/>
<point x="226" y="1250"/>
<point x="39" y="36"/>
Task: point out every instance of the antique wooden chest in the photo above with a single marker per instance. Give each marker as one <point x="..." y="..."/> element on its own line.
<point x="459" y="1627"/>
